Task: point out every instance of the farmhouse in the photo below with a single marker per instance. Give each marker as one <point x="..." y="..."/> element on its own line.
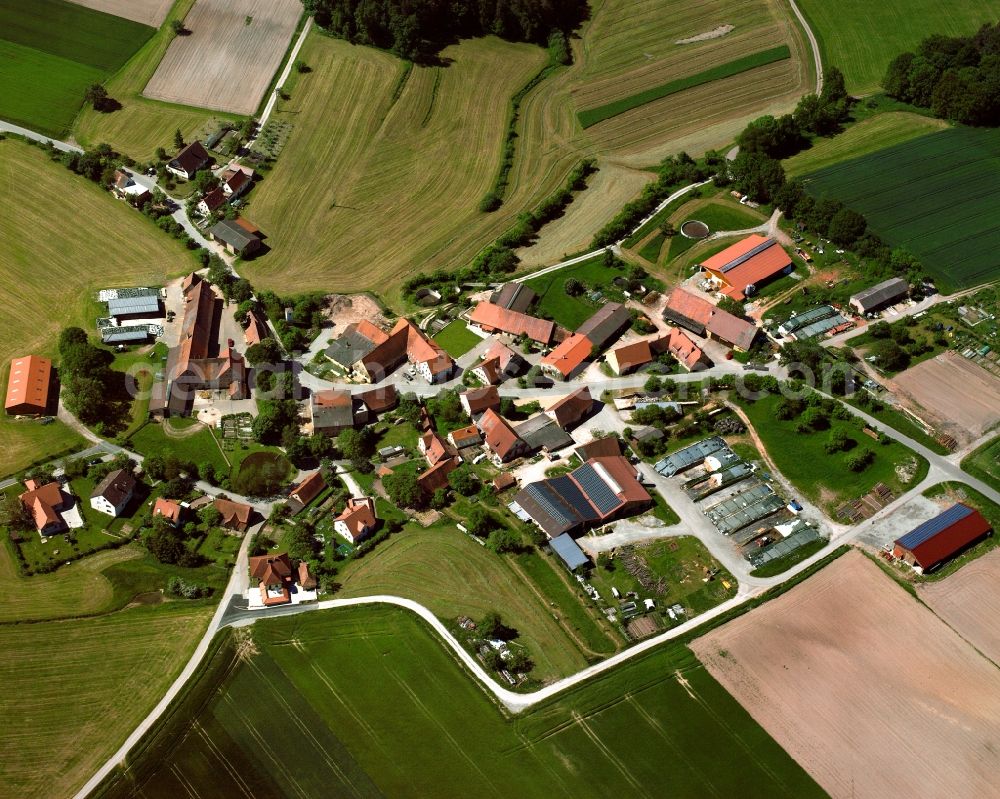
<point x="569" y="552"/>
<point x="168" y="509"/>
<point x="572" y="409"/>
<point x="492" y="318"/>
<point x="606" y="325"/>
<point x="434" y="448"/>
<point x="189" y="161"/>
<point x="238" y="236"/>
<point x="236" y="181"/>
<point x="274" y="576"/>
<point x="379" y="400"/>
<point x="28" y="386"/>
<point x="437" y="476"/>
<point x="125" y="188"/>
<point x="704" y="319"/>
<point x="879" y="296"/>
<point x="688" y="354"/>
<point x="568" y="358"/>
<point x="333" y="411"/>
<point x="478" y="400"/>
<point x="930" y="544"/>
<point x="45" y="503"/>
<point x="514" y="297"/>
<point x="212" y="202"/>
<point x="502" y="441"/>
<point x="599" y="448"/>
<point x="740" y="270"/>
<point x="499" y="362"/>
<point x="190" y="366"/>
<point x="627" y="358"/>
<point x="235" y="515"/>
<point x="256" y="330"/>
<point x="114" y="492"/>
<point x="357" y="521"/>
<point x="595" y="493"/>
<point x="405" y="342"/>
<point x="306" y="491"/>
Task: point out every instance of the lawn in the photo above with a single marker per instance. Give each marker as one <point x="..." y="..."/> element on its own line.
<point x="725" y="215"/>
<point x="79" y="258"/>
<point x="825" y="478"/>
<point x="984" y="463"/>
<point x="80" y="686"/>
<point x="457" y="339"/>
<point x="451" y="574"/>
<point x="680" y="563"/>
<point x="592" y="116"/>
<point x="51" y="51"/>
<point x="651" y="249"/>
<point x="199" y="448"/>
<point x="141" y="125"/>
<point x="861" y="39"/>
<point x="417" y="724"/>
<point x="867" y="136"/>
<point x="933" y="195"/>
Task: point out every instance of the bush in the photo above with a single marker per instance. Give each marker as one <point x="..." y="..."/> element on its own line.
<point x="861" y="460"/>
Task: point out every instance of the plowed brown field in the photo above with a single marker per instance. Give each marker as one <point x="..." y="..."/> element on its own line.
<point x="867" y="689"/>
<point x="969" y="600"/>
<point x="228" y="57"/>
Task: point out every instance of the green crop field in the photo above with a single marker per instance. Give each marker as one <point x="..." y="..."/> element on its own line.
<point x="824" y="478"/>
<point x="934" y="195"/>
<point x="51" y="51"/>
<point x="370" y="703"/>
<point x="457" y="339"/>
<point x="861" y="38"/>
<point x="868" y="136"/>
<point x="79" y="257"/>
<point x="592" y="116"/>
<point x="984" y="463"/>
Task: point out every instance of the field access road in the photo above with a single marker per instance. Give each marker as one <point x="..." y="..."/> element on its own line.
<point x="813" y="44"/>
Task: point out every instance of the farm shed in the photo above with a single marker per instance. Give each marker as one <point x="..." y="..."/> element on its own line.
<point x="28" y="385"/>
<point x="685" y="458"/>
<point x="698" y="315"/>
<point x="936" y="540"/>
<point x="569" y="552"/>
<point x="142" y="302"/>
<point x="811" y="323"/>
<point x="880" y="295"/>
<point x="739" y="270"/>
<point x="514" y="297"/>
<point x="237" y="238"/>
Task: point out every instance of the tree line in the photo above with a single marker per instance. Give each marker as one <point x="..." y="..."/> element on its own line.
<point x="418" y="29"/>
<point x="956" y="77"/>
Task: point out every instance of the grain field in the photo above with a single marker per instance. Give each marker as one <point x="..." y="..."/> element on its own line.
<point x="148" y="12"/>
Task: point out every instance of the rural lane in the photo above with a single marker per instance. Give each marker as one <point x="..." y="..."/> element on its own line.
<point x="812" y="44"/>
<point x="66" y="147"/>
<point x="281" y="80"/>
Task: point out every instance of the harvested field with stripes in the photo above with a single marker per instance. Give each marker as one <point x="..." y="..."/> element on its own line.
<point x="148" y="12"/>
<point x="229" y="56"/>
<point x="844" y="668"/>
<point x="370" y="703"/>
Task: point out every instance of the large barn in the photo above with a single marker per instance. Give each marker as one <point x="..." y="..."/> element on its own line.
<point x="28" y="386"/>
<point x="932" y="543"/>
<point x="741" y="269"/>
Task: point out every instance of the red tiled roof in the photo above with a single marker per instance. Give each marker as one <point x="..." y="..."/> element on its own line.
<point x="721" y="324"/>
<point x="216" y="198"/>
<point x="631" y="356"/>
<point x="684" y="349"/>
<point x="168" y="509"/>
<point x="570" y="355"/>
<point x="306" y="491"/>
<point x="256" y="328"/>
<point x="465" y="436"/>
<point x="358" y="515"/>
<point x="500" y="436"/>
<point x="491" y="370"/>
<point x="492" y="317"/>
<point x="28" y="384"/>
<point x="437" y="476"/>
<point x="405" y="340"/>
<point x="379" y="400"/>
<point x="572" y="408"/>
<point x="623" y="473"/>
<point x="44" y="502"/>
<point x="234" y="514"/>
<point x="478" y="400"/>
<point x="271" y="569"/>
<point x="435" y="448"/>
<point x="501" y="352"/>
<point x="769" y="259"/>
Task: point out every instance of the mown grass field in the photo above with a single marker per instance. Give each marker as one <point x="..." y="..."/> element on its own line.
<point x="142" y="124"/>
<point x="51" y="51"/>
<point x="457" y="339"/>
<point x="867" y="136"/>
<point x="74" y="689"/>
<point x="79" y="257"/>
<point x="375" y="706"/>
<point x="861" y="38"/>
<point x="592" y="116"/>
<point x="984" y="463"/>
<point x="934" y="195"/>
<point x="448" y="572"/>
<point x="199" y="448"/>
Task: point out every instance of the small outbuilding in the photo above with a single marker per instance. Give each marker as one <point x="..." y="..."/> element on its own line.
<point x="569" y="552"/>
<point x="879" y="296"/>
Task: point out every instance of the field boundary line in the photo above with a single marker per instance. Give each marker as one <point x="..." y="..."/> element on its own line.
<point x="813" y="45"/>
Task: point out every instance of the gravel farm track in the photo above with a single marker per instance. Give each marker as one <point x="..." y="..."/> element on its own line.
<point x="229" y="56"/>
<point x="148" y="12"/>
<point x="858" y="682"/>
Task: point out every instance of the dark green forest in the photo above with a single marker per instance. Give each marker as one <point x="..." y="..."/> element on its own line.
<point x="956" y="77"/>
<point x="418" y="29"/>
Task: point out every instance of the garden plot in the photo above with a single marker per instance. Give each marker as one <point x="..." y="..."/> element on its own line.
<point x="859" y="682"/>
<point x="228" y="57"/>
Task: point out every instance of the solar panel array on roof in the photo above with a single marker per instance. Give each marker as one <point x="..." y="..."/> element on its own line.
<point x="932" y="527"/>
<point x="541" y="493"/>
<point x="748" y="255"/>
<point x="572" y="494"/>
<point x="599" y="492"/>
<point x="144" y="304"/>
